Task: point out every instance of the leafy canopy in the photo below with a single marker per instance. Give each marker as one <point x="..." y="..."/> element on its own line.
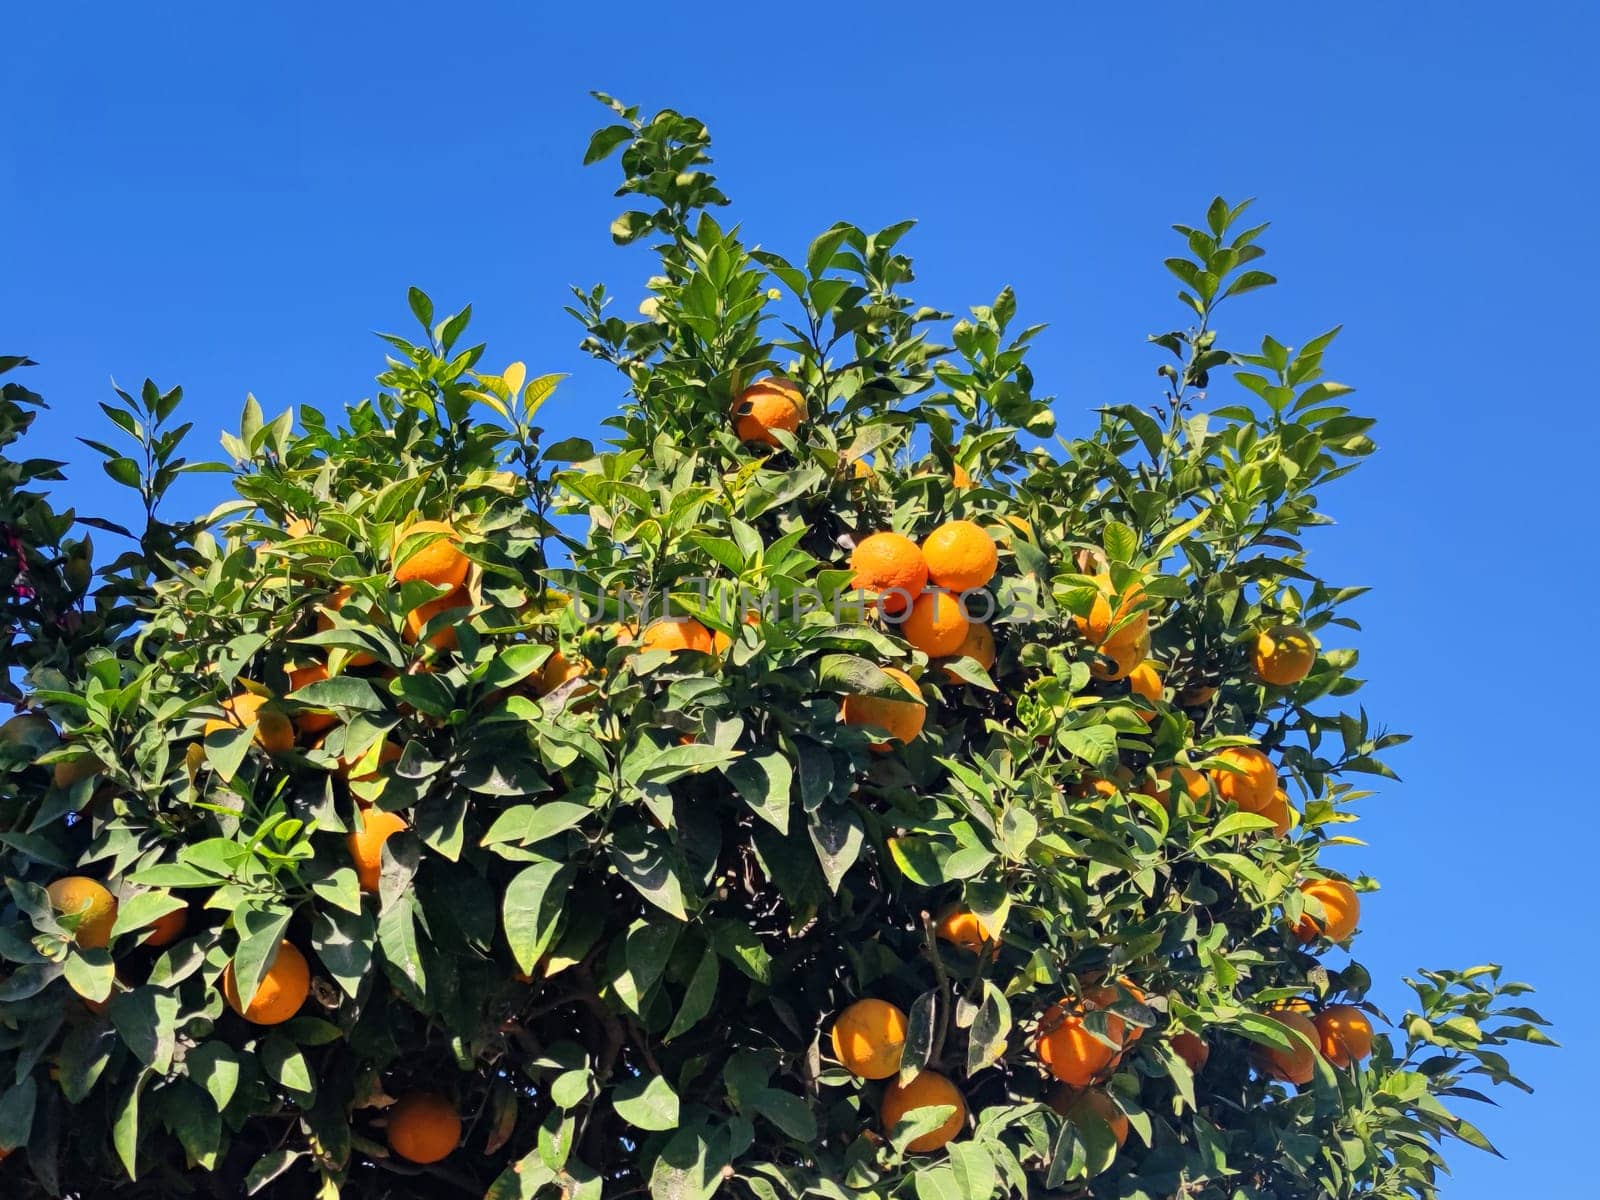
<point x="634" y="886"/>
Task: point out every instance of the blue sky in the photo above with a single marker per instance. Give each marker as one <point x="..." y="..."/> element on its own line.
<point x="231" y="200"/>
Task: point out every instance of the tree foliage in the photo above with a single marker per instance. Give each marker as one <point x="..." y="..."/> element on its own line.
<point x="635" y="885"/>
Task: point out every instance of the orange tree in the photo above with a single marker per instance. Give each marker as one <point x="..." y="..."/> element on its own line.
<point x="826" y="788"/>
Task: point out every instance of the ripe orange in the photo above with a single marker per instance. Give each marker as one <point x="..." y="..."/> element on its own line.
<point x="901" y="719"/>
<point x="440" y="562"/>
<point x="1068" y="1050"/>
<point x="961" y="557"/>
<point x="978" y="645"/>
<point x="963" y="927"/>
<point x="424" y="1127"/>
<point x="1145" y="681"/>
<point x="1126" y="623"/>
<point x="869" y="1037"/>
<point x="1096" y="1105"/>
<point x="1124" y="656"/>
<point x="764" y="406"/>
<point x="80" y="896"/>
<point x="165" y="930"/>
<point x="1341" y="909"/>
<point x="1193" y="1049"/>
<point x="1195" y="696"/>
<point x="927" y="1089"/>
<point x="889" y="563"/>
<point x="1296" y="1065"/>
<point x="336" y="602"/>
<point x="1284" y="655"/>
<point x="273" y="731"/>
<point x="676" y="633"/>
<point x="1346" y="1034"/>
<point x="557" y="669"/>
<point x="417" y="619"/>
<point x="1280" y="812"/>
<point x="282" y="991"/>
<point x="1251" y="785"/>
<point x="317" y="720"/>
<point x="935" y="625"/>
<point x="366" y="844"/>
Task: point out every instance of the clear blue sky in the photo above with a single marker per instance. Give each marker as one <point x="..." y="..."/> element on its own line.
<point x="230" y="197"/>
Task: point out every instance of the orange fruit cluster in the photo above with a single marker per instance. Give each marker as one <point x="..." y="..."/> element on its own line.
<point x="1070" y="1051"/>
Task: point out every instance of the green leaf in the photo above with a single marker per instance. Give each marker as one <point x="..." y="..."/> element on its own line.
<point x="197" y="1125"/>
<point x="1121" y="543"/>
<point x="765" y="781"/>
<point x="646" y="861"/>
<point x="532" y="910"/>
<point x="647" y="948"/>
<point x="919" y="1034"/>
<point x="215" y="1066"/>
<point x="991" y="1027"/>
<point x="403" y="960"/>
<point x="646" y="1103"/>
<point x="225" y="751"/>
<point x="261" y="933"/>
<point x="942" y="1183"/>
<point x="16" y="1113"/>
<point x="85" y="1051"/>
<point x="921" y="859"/>
<point x="740" y="945"/>
<point x="123" y="469"/>
<point x="570" y="1088"/>
<point x="838" y="836"/>
<point x="529" y="824"/>
<point x="652" y="765"/>
<point x="344" y="943"/>
<point x="269" y="1167"/>
<point x="142" y="909"/>
<point x="125" y="1129"/>
<point x="850" y="675"/>
<point x="283" y="1062"/>
<point x="91" y="978"/>
<point x="603" y="141"/>
<point x="343" y="692"/>
<point x="697" y="997"/>
<point x="974" y="1170"/>
<point x="788" y="1112"/>
<point x="178" y="875"/>
<point x="1239" y="822"/>
<point x="146" y="1019"/>
<point x="342" y="889"/>
<point x="1248" y="281"/>
<point x="421" y="309"/>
